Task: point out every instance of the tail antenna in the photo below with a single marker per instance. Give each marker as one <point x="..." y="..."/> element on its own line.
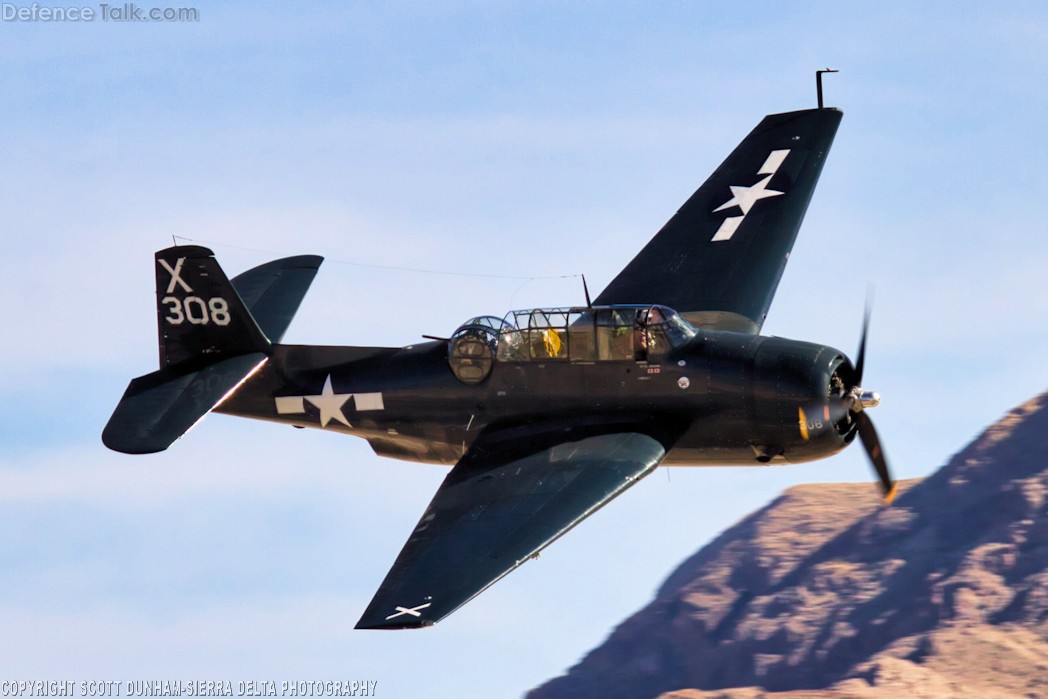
<point x="589" y="304"/>
<point x="818" y="82"/>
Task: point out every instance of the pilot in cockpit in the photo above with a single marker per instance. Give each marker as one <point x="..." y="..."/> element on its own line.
<point x="649" y="331"/>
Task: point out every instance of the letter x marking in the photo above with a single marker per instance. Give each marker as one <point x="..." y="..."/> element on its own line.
<point x="414" y="611"/>
<point x="175" y="275"/>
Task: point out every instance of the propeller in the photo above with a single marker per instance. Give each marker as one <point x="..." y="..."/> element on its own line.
<point x="849" y="408"/>
<point x="857" y="400"/>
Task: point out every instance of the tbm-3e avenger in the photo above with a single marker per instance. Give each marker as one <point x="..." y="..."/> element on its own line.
<point x="545" y="414"/>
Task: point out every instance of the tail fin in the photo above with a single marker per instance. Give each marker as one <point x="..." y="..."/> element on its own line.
<point x="210" y="342"/>
<point x="200" y="315"/>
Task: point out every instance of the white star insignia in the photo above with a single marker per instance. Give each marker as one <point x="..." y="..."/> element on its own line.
<point x="330" y="404"/>
<point x="746" y="197"/>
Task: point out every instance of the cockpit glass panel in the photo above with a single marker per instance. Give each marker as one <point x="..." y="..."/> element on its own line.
<point x="492" y="322"/>
<point x="512" y="346"/>
<point x="664" y="330"/>
<point x="582" y="345"/>
<point x="615" y="333"/>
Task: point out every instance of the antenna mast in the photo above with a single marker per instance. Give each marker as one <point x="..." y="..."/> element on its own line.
<point x="818" y="81"/>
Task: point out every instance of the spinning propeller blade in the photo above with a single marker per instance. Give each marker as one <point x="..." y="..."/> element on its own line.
<point x="860" y="358"/>
<point x="872" y="443"/>
<point x="860" y="400"/>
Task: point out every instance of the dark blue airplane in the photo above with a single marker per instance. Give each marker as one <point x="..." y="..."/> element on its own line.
<point x="545" y="414"/>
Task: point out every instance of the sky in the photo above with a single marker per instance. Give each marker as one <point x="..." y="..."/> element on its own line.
<point x="510" y="139"/>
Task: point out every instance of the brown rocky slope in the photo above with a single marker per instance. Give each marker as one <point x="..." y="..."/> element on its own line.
<point x="825" y="592"/>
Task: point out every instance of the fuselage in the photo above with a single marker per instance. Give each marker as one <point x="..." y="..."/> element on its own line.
<point x="727" y="398"/>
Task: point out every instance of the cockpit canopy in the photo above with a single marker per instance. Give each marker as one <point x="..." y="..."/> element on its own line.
<point x="600" y="333"/>
<point x="581" y="334"/>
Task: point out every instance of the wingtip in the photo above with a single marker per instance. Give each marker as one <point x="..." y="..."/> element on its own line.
<point x="369" y="624"/>
<point x="391" y="617"/>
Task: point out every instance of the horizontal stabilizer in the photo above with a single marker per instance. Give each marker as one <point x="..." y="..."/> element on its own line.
<point x="158" y="408"/>
<point x="273" y="292"/>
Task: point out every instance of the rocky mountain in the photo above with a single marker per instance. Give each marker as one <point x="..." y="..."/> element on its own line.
<point x="827" y="593"/>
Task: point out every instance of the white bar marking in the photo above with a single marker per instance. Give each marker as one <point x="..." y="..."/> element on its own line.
<point x="727" y="229"/>
<point x="290" y="405"/>
<point x="368" y="401"/>
<point x="771" y="165"/>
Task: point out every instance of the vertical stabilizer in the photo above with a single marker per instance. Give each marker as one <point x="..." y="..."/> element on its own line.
<point x="200" y="315"/>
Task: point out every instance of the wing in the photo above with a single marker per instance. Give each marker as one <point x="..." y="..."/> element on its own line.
<point x="718" y="261"/>
<point x="498" y="507"/>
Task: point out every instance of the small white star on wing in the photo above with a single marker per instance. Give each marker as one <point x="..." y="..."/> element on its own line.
<point x="330" y="404"/>
<point x="746" y="197"/>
